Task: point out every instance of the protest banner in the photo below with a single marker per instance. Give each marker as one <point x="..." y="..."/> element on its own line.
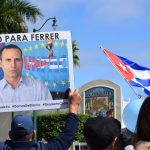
<point x="47" y="58"/>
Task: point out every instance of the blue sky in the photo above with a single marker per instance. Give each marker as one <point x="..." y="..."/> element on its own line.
<point x="121" y="26"/>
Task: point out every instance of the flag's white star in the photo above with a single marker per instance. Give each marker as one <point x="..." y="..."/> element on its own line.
<point x="123" y="67"/>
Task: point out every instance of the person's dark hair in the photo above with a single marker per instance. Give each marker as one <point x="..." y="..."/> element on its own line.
<point x="20" y="135"/>
<point x="100" y="132"/>
<point x="10" y="46"/>
<point x="126" y="138"/>
<point x="143" y="122"/>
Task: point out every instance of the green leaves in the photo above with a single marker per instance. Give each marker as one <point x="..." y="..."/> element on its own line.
<point x="79" y="134"/>
<point x="15" y="13"/>
<point x="50" y="126"/>
<point x="76" y="59"/>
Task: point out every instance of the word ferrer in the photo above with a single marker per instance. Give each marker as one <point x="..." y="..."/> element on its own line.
<point x="31" y="37"/>
<point x="46" y="36"/>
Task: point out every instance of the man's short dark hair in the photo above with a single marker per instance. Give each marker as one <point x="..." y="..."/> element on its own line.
<point x="100" y="132"/>
<point x="20" y="135"/>
<point x="9" y="47"/>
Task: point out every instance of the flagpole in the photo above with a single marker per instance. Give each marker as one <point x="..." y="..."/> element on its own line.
<point x="138" y="95"/>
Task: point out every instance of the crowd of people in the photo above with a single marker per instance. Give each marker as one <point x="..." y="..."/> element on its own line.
<point x="101" y="133"/>
<point x="105" y="133"/>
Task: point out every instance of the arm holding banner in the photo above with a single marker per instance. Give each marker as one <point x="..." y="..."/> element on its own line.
<point x="22" y="132"/>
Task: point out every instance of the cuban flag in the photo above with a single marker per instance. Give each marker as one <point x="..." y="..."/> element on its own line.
<point x="135" y="74"/>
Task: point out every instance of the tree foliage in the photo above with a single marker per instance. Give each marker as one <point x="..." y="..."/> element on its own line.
<point x="50" y="126"/>
<point x="15" y="13"/>
<point x="76" y="59"/>
<point x="13" y="17"/>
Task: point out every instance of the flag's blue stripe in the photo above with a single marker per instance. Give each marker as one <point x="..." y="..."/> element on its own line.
<point x="139" y="82"/>
<point x="133" y="64"/>
<point x="134" y="83"/>
<point x="147" y="91"/>
<point x="145" y="82"/>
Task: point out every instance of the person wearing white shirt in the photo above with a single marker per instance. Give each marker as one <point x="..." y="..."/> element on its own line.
<point x="14" y="87"/>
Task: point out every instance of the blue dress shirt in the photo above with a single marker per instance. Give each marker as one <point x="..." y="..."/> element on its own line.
<point x="27" y="90"/>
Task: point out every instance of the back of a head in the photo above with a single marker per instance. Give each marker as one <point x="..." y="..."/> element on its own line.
<point x="100" y="132"/>
<point x="143" y="121"/>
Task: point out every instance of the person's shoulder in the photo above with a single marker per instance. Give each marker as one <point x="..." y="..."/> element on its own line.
<point x="2" y="83"/>
<point x="2" y="145"/>
<point x="3" y="80"/>
<point x="33" y="82"/>
<point x="30" y="80"/>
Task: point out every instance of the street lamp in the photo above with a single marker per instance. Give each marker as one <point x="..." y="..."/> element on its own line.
<point x="54" y="24"/>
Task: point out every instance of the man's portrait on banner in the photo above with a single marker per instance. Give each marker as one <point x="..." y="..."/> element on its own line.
<point x="36" y="69"/>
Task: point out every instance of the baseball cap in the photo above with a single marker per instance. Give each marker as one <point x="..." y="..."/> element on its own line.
<point x="22" y="125"/>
